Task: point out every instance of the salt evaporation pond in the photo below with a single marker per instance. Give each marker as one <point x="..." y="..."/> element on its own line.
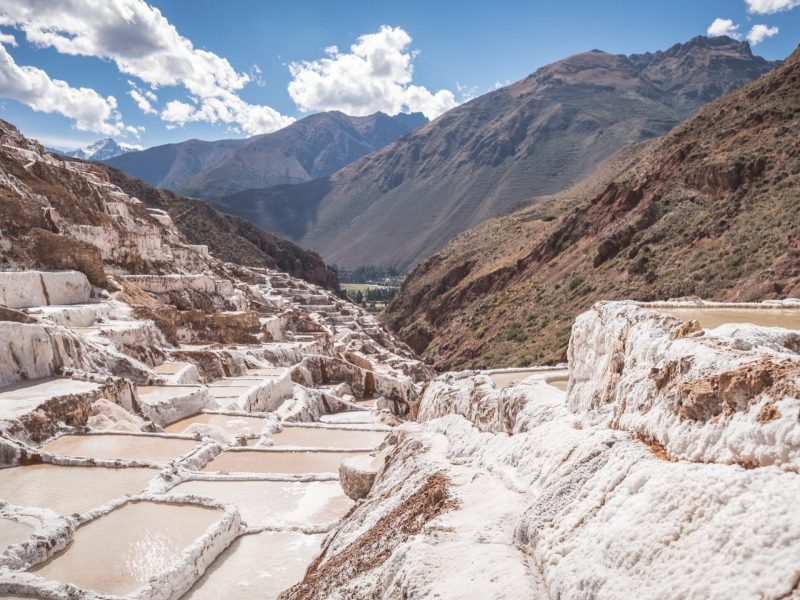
<point x="561" y="383"/>
<point x="21" y="398"/>
<point x="276" y="502"/>
<point x="349" y="417"/>
<point x="13" y="532"/>
<point x="265" y="461"/>
<point x="259" y="566"/>
<point x="69" y="490"/>
<point x="710" y="318"/>
<point x="123" y="447"/>
<point x="120" y="551"/>
<point x="324" y="437"/>
<point x="231" y="423"/>
<point x="503" y="378"/>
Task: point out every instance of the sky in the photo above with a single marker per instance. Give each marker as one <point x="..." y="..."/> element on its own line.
<point x="154" y="72"/>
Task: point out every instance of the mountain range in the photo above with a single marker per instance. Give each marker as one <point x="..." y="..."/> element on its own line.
<point x="101" y="150"/>
<point x="309" y="148"/>
<point x="709" y="210"/>
<point x="508" y="148"/>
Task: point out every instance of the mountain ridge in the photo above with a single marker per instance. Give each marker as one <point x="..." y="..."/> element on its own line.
<point x="488" y="156"/>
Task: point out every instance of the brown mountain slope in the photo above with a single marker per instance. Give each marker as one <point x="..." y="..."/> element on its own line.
<point x="709" y="210"/>
<point x="487" y="157"/>
<point x="229" y="238"/>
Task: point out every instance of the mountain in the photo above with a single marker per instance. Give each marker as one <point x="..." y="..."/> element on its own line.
<point x="708" y="210"/>
<point x="229" y="238"/>
<point x="312" y="147"/>
<point x="499" y="151"/>
<point x="77" y="218"/>
<point x="102" y="150"/>
<point x="171" y="165"/>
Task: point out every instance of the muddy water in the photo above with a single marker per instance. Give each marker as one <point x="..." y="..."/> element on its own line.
<point x="118" y="552"/>
<point x="14" y="532"/>
<point x="276" y="502"/>
<point x="231" y="423"/>
<point x="68" y="490"/>
<point x="327" y="438"/>
<point x="170" y="368"/>
<point x="124" y="447"/>
<point x="710" y="318"/>
<point x="257" y="566"/>
<point x="503" y="379"/>
<point x="259" y="461"/>
<point x="561" y="383"/>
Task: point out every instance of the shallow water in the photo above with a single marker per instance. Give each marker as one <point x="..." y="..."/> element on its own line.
<point x="327" y="438"/>
<point x="14" y="532"/>
<point x="561" y="383"/>
<point x="273" y="502"/>
<point x="257" y="566"/>
<point x="349" y="416"/>
<point x="232" y="423"/>
<point x="170" y="368"/>
<point x="710" y="318"/>
<point x="503" y="379"/>
<point x="124" y="447"/>
<point x="120" y="551"/>
<point x="68" y="490"/>
<point x="259" y="461"/>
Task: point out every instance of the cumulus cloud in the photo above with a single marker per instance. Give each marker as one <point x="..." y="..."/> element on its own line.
<point x="34" y="88"/>
<point x="142" y="43"/>
<point x="376" y="75"/>
<point x="143" y="98"/>
<point x="758" y="33"/>
<point x="768" y="7"/>
<point x="723" y="27"/>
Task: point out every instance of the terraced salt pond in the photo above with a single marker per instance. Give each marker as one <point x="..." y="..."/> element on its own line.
<point x="270" y="461"/>
<point x="276" y="502"/>
<point x="122" y="447"/>
<point x="561" y="383"/>
<point x="555" y="377"/>
<point x="349" y="417"/>
<point x="69" y="490"/>
<point x="21" y="398"/>
<point x="710" y="318"/>
<point x="235" y="424"/>
<point x="120" y="551"/>
<point x="13" y="532"/>
<point x="260" y="566"/>
<point x="325" y="437"/>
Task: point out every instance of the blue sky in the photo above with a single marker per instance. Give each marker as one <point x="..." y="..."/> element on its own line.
<point x="149" y="73"/>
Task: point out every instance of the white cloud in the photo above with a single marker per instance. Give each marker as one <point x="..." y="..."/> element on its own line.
<point x="7" y="38"/>
<point x="758" y="33"/>
<point x="143" y="98"/>
<point x="723" y="27"/>
<point x="375" y="75"/>
<point x="768" y="7"/>
<point x="34" y="88"/>
<point x="142" y="43"/>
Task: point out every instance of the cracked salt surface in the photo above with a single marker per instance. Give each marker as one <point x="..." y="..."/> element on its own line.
<point x="257" y="566"/>
<point x="70" y="489"/>
<point x="120" y="551"/>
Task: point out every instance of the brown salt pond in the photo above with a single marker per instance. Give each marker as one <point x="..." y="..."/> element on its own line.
<point x="122" y="447"/>
<point x="710" y="318"/>
<point x="234" y="424"/>
<point x="120" y="551"/>
<point x="503" y="378"/>
<point x="69" y="490"/>
<point x="170" y="368"/>
<point x="14" y="532"/>
<point x="324" y="437"/>
<point x="267" y="461"/>
<point x="260" y="566"/>
<point x="276" y="502"/>
<point x="561" y="383"/>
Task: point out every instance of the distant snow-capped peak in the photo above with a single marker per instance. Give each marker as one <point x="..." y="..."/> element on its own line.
<point x="103" y="150"/>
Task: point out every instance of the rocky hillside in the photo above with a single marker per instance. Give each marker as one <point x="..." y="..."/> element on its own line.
<point x="312" y="147"/>
<point x="229" y="238"/>
<point x="708" y="210"/>
<point x="504" y="149"/>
